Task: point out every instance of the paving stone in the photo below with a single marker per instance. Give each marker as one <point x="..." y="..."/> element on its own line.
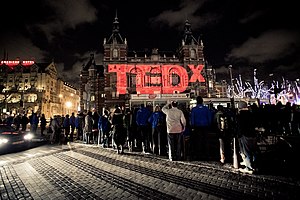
<point x="85" y="172"/>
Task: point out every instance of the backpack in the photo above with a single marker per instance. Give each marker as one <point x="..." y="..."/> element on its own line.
<point x="105" y="124"/>
<point x="160" y="121"/>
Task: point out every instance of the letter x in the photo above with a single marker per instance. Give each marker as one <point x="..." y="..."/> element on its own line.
<point x="197" y="73"/>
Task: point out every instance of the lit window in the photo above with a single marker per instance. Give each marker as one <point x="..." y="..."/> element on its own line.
<point x="174" y="79"/>
<point x="193" y="53"/>
<point x="115" y="53"/>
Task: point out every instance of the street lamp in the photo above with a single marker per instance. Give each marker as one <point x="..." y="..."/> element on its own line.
<point x="231" y="88"/>
<point x="235" y="159"/>
<point x="60" y="103"/>
<point x="231" y="83"/>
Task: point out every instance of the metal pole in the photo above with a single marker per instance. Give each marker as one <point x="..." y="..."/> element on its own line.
<point x="235" y="158"/>
<point x="231" y="85"/>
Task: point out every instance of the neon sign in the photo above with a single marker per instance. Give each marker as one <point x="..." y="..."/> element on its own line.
<point x="155" y="79"/>
<point x="27" y="62"/>
<point x="12" y="63"/>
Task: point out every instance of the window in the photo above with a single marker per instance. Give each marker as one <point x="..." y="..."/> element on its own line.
<point x="115" y="53"/>
<point x="193" y="53"/>
<point x="174" y="79"/>
<point x="113" y="94"/>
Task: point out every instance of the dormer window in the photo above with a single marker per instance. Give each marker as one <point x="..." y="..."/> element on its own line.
<point x="115" y="53"/>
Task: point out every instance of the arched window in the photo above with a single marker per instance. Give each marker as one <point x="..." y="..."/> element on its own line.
<point x="174" y="77"/>
<point x="193" y="54"/>
<point x="115" y="53"/>
<point x="155" y="77"/>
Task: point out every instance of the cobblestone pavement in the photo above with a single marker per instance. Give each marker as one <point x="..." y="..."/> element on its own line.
<point x="78" y="171"/>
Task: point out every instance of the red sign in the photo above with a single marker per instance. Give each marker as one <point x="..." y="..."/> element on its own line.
<point x="27" y="62"/>
<point x="155" y="79"/>
<point x="12" y="63"/>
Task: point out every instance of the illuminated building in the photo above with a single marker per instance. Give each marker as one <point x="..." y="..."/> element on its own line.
<point x="91" y="86"/>
<point x="26" y="86"/>
<point x="129" y="78"/>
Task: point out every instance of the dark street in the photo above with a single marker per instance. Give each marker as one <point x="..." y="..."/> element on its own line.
<point x="79" y="171"/>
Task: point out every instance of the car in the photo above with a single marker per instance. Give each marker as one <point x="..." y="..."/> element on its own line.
<point x="12" y="139"/>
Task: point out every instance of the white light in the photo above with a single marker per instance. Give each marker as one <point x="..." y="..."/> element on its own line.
<point x="3" y="141"/>
<point x="68" y="104"/>
<point x="28" y="136"/>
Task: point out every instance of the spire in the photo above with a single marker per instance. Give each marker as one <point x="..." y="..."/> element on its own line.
<point x="115" y="36"/>
<point x="116" y="24"/>
<point x="188" y="38"/>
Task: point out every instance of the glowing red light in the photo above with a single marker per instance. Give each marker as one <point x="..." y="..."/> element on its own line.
<point x="27" y="62"/>
<point x="155" y="79"/>
<point x="10" y="62"/>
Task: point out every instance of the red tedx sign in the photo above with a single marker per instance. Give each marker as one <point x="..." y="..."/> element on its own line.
<point x="155" y="79"/>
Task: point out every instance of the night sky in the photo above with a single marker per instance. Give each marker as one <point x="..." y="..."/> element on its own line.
<point x="246" y="34"/>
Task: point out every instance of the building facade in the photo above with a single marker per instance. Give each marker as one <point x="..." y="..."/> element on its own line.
<point x="26" y="87"/>
<point x="127" y="78"/>
<point x="91" y="89"/>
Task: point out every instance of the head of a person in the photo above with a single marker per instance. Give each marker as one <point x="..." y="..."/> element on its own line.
<point x="174" y="103"/>
<point x="157" y="108"/>
<point x="242" y="105"/>
<point x="106" y="112"/>
<point x="199" y="100"/>
<point x="142" y="105"/>
<point x="117" y="110"/>
<point x="220" y="107"/>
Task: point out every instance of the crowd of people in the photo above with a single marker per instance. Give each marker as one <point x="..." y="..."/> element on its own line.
<point x="174" y="130"/>
<point x="25" y="121"/>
